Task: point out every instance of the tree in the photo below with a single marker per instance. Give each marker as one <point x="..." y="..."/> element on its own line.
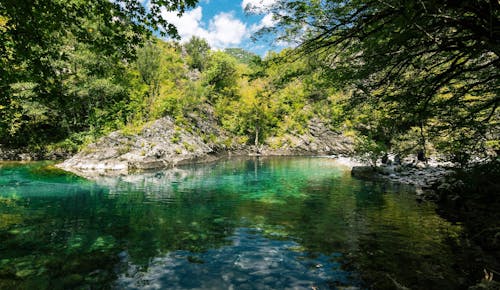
<point x="148" y="63"/>
<point x="40" y="42"/>
<point x="256" y="112"/>
<point x="431" y="64"/>
<point x="221" y="74"/>
<point x="197" y="48"/>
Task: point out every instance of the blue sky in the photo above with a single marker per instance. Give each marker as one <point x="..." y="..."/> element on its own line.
<point x="224" y="23"/>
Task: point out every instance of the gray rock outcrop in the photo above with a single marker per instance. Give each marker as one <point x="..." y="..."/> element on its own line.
<point x="319" y="139"/>
<point x="160" y="144"/>
<point x="163" y="144"/>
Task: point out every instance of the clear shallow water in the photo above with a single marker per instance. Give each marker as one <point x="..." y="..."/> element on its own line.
<point x="274" y="223"/>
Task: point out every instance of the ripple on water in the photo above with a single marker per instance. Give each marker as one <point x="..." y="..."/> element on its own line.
<point x="250" y="262"/>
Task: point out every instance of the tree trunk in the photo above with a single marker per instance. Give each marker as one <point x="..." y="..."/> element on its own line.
<point x="256" y="136"/>
<point x="422" y="155"/>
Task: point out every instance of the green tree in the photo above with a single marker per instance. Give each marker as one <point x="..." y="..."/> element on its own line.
<point x="221" y="74"/>
<point x="256" y="112"/>
<point x="148" y="64"/>
<point x="197" y="48"/>
<point x="434" y="63"/>
<point x="65" y="60"/>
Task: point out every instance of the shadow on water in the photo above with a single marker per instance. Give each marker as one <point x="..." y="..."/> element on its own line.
<point x="241" y="223"/>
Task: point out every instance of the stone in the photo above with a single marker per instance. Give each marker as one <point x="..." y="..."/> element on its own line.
<point x="164" y="144"/>
<point x="156" y="146"/>
<point x="420" y="165"/>
<point x="364" y="172"/>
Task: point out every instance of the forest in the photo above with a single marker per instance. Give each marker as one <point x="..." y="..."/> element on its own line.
<point x="397" y="77"/>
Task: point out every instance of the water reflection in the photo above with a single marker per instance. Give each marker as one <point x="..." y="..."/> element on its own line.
<point x="249" y="261"/>
<point x="242" y="223"/>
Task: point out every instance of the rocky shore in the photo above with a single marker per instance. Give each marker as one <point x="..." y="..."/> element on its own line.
<point x="470" y="197"/>
<point x="28" y="154"/>
<point x="428" y="179"/>
<point x="163" y="144"/>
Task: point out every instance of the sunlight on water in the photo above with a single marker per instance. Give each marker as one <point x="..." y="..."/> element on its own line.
<point x="269" y="223"/>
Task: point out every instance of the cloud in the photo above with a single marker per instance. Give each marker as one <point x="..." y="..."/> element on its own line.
<point x="222" y="31"/>
<point x="257" y="6"/>
<point x="225" y="29"/>
<point x="266" y="21"/>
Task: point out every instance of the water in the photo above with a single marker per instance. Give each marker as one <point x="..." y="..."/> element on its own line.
<point x="277" y="223"/>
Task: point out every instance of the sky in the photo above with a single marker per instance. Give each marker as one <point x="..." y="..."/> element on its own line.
<point x="224" y="23"/>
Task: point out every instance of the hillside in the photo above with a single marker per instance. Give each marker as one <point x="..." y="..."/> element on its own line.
<point x="163" y="144"/>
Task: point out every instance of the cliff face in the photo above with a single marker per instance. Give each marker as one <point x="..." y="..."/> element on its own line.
<point x="163" y="144"/>
<point x="159" y="144"/>
<point x="318" y="139"/>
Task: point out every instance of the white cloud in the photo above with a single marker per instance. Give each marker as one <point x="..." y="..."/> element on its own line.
<point x="223" y="29"/>
<point x="266" y="21"/>
<point x="257" y="6"/>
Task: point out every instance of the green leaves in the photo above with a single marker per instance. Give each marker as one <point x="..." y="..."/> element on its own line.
<point x="221" y="73"/>
<point x="428" y="62"/>
<point x="198" y="49"/>
<point x="74" y="53"/>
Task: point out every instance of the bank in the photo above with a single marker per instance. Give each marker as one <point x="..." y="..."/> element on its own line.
<point x="470" y="198"/>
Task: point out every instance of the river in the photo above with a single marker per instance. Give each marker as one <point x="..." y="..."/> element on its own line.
<point x="243" y="223"/>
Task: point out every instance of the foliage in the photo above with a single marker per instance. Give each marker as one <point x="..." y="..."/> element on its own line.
<point x="272" y="98"/>
<point x="62" y="63"/>
<point x="426" y="63"/>
<point x="221" y="74"/>
<point x="198" y="49"/>
<point x="369" y="150"/>
<point x="148" y="65"/>
<point x="102" y="74"/>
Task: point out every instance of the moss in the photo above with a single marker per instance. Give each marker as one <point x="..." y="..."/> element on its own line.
<point x="132" y="129"/>
<point x="176" y="138"/>
<point x="188" y="147"/>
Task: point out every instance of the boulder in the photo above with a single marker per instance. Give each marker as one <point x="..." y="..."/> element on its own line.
<point x="420" y="165"/>
<point x="159" y="144"/>
<point x="364" y="172"/>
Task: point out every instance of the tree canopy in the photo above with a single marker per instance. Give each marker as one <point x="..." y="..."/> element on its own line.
<point x="197" y="48"/>
<point x="54" y="53"/>
<point x="428" y="64"/>
<point x="402" y="75"/>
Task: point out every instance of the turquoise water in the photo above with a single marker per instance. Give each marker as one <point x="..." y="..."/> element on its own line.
<point x="275" y="223"/>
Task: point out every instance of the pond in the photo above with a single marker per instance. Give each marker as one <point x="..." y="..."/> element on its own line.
<point x="244" y="223"/>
